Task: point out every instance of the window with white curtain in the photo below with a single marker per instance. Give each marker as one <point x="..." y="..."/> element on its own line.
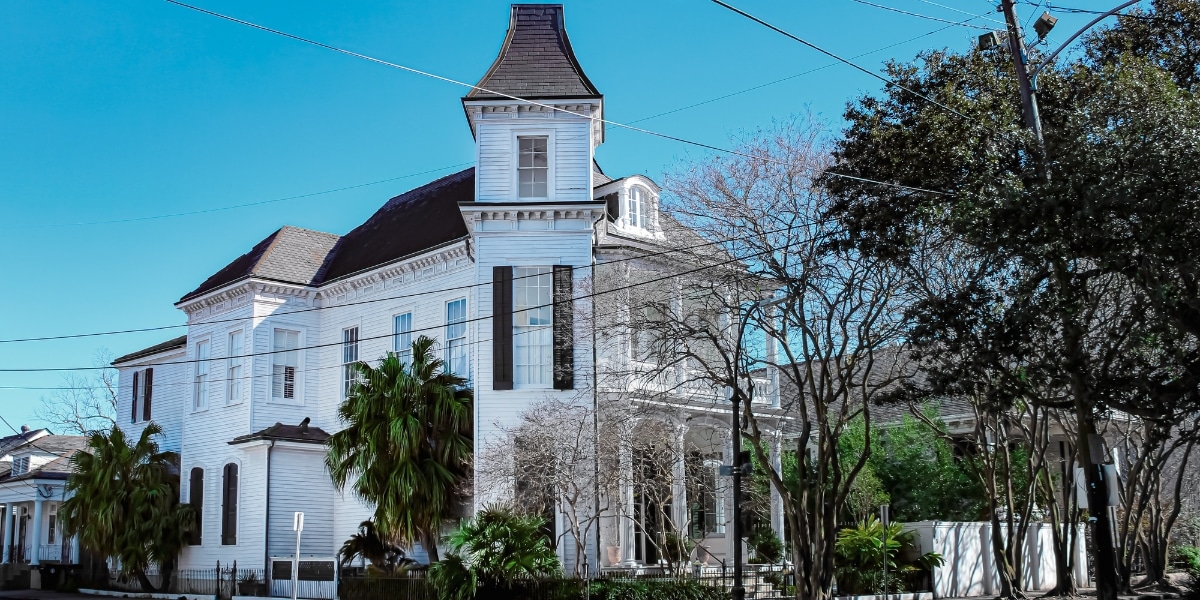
<point x="456" y="338"/>
<point x="349" y="357"/>
<point x="285" y="360"/>
<point x="402" y="337"/>
<point x="533" y="334"/>
<point x="233" y="368"/>
<point x="200" y="385"/>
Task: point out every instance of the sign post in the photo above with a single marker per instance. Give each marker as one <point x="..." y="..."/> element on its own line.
<point x="883" y="514"/>
<point x="297" y="526"/>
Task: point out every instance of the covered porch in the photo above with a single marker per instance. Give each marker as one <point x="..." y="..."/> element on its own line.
<point x="30" y="526"/>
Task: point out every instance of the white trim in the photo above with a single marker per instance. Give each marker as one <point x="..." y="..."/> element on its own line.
<point x="198" y="403"/>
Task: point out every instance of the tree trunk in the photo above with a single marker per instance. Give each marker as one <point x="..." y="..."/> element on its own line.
<point x="431" y="549"/>
<point x="144" y="581"/>
<point x="1107" y="578"/>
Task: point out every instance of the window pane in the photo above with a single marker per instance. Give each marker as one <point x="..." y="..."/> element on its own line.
<point x="533" y="337"/>
<point x="402" y="338"/>
<point x="284" y="360"/>
<point x="456" y="338"/>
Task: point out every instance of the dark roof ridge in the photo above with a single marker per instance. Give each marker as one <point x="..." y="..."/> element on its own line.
<point x="158" y="348"/>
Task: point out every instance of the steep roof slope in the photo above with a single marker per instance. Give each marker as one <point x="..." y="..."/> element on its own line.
<point x="291" y="255"/>
<point x="536" y="60"/>
<point x="413" y="222"/>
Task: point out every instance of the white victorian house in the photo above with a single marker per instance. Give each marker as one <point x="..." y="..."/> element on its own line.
<point x="491" y="261"/>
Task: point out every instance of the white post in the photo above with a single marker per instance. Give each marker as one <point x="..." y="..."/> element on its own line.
<point x="776" y="499"/>
<point x="35" y="545"/>
<point x="772" y="361"/>
<point x="626" y="458"/>
<point x="8" y="529"/>
<point x="297" y="526"/>
<point x="679" y="481"/>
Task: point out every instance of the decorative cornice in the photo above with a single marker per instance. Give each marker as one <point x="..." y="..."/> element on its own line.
<point x="475" y="213"/>
<point x="407" y="270"/>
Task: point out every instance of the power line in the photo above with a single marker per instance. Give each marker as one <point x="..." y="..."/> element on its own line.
<point x="803" y="73"/>
<point x="843" y="61"/>
<point x="959" y="10"/>
<point x="913" y="14"/>
<point x="526" y="100"/>
<point x="464" y="321"/>
<point x="248" y="204"/>
<point x="373" y="300"/>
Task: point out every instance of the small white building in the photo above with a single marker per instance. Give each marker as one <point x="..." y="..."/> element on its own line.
<point x="248" y="396"/>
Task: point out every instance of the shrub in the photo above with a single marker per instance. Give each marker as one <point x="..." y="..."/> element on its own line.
<point x="765" y="547"/>
<point x="497" y="548"/>
<point x="860" y="554"/>
<point x="662" y="589"/>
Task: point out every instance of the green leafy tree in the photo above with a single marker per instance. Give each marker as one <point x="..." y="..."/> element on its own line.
<point x="495" y="550"/>
<point x="407" y="444"/>
<point x="923" y="478"/>
<point x="124" y="503"/>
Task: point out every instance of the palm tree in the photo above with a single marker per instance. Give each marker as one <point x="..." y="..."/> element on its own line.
<point x="367" y="543"/>
<point x="407" y="444"/>
<point x="124" y="503"/>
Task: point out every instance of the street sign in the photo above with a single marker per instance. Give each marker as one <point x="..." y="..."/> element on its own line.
<point x="298" y="522"/>
<point x="725" y="471"/>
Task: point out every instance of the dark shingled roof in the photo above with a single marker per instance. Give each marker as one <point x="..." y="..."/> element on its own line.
<point x="416" y="221"/>
<point x="170" y="344"/>
<point x="291" y="254"/>
<point x="16" y="440"/>
<point x="536" y="60"/>
<point x="286" y="433"/>
<point x="413" y="222"/>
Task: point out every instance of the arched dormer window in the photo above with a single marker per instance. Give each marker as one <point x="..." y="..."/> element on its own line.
<point x="637" y="207"/>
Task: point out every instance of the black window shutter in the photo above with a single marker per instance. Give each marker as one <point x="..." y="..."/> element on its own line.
<point x="149" y="385"/>
<point x="502" y="328"/>
<point x="229" y="508"/>
<point x="133" y="413"/>
<point x="196" y="499"/>
<point x="564" y="328"/>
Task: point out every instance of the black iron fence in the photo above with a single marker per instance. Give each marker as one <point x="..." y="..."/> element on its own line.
<point x="220" y="581"/>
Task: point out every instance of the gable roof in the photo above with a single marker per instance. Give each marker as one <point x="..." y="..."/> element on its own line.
<point x="170" y="344"/>
<point x="63" y="446"/>
<point x="536" y="59"/>
<point x="16" y="440"/>
<point x="416" y="221"/>
<point x="291" y="255"/>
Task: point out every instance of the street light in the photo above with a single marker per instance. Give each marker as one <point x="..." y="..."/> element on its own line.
<point x="733" y="395"/>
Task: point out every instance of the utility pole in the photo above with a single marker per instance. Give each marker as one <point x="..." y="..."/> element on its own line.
<point x="1016" y="46"/>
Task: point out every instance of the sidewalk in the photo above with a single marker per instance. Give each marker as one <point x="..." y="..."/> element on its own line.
<point x="42" y="595"/>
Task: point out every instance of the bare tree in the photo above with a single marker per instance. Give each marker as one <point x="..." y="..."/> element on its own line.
<point x="837" y="329"/>
<point x="83" y="404"/>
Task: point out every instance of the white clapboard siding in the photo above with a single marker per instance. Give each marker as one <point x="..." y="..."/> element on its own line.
<point x="299" y="483"/>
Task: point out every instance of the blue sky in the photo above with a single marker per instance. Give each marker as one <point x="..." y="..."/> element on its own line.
<point x="123" y="110"/>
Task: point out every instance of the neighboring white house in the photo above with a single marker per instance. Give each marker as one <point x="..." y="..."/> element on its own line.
<point x="34" y="465"/>
<point x="250" y="394"/>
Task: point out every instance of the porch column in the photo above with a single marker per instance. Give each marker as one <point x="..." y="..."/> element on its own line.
<point x="36" y="543"/>
<point x="627" y="510"/>
<point x="679" y="481"/>
<point x="772" y="362"/>
<point x="9" y="523"/>
<point x="776" y="499"/>
<point x="74" y="550"/>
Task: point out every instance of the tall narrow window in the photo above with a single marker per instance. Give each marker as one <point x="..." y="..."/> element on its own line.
<point x="200" y="385"/>
<point x="534" y="167"/>
<point x="196" y="499"/>
<point x="52" y="534"/>
<point x="233" y="369"/>
<point x="147" y="392"/>
<point x="133" y="413"/>
<point x="229" y="502"/>
<point x="637" y="207"/>
<point x="285" y="358"/>
<point x="456" y="337"/>
<point x="402" y="337"/>
<point x="533" y="336"/>
<point x="349" y="357"/>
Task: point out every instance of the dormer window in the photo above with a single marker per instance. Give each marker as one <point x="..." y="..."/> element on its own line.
<point x="20" y="465"/>
<point x="639" y="200"/>
<point x="533" y="167"/>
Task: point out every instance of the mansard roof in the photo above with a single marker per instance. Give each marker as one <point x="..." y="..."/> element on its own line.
<point x="536" y="60"/>
<point x="291" y="255"/>
<point x="170" y="344"/>
<point x="416" y="221"/>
